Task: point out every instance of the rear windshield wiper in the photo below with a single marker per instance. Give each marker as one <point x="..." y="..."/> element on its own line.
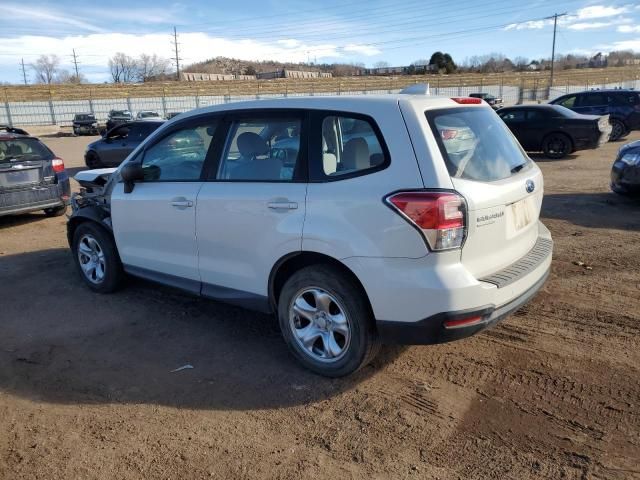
<point x="517" y="168"/>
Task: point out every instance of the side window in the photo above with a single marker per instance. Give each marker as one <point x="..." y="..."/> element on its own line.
<point x="568" y="102"/>
<point x="593" y="100"/>
<point x="180" y="155"/>
<point x="349" y="145"/>
<point x="535" y="115"/>
<point x="512" y="116"/>
<point x="261" y="149"/>
<point x="624" y="99"/>
<point x="120" y="132"/>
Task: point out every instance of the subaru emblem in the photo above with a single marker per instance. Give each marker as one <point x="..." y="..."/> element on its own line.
<point x="530" y="186"/>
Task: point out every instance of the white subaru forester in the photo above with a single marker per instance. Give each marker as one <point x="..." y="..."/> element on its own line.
<point x="358" y="220"/>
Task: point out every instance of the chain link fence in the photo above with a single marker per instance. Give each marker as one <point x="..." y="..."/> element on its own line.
<point x="61" y="112"/>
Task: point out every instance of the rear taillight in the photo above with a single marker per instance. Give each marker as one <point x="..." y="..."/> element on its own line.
<point x="58" y="165"/>
<point x="440" y="216"/>
<point x="467" y="100"/>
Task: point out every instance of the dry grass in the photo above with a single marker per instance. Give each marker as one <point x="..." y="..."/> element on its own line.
<point x="587" y="77"/>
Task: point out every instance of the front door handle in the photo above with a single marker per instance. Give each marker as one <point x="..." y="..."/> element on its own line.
<point x="181" y="202"/>
<point x="283" y="205"/>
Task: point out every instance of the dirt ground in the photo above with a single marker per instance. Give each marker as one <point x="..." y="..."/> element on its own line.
<point x="86" y="388"/>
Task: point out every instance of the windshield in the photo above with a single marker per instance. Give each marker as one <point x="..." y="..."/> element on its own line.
<point x="148" y="114"/>
<point x="120" y="113"/>
<point x="84" y="117"/>
<point x="476" y="144"/>
<point x="23" y="149"/>
<point x="565" y="112"/>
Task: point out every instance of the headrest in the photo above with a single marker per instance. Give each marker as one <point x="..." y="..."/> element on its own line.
<point x="251" y="144"/>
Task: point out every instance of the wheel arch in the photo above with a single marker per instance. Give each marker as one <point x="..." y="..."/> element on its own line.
<point x="88" y="214"/>
<point x="292" y="262"/>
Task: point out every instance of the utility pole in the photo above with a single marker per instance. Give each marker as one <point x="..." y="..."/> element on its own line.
<point x="24" y="72"/>
<point x="553" y="46"/>
<point x="175" y="44"/>
<point x="75" y="63"/>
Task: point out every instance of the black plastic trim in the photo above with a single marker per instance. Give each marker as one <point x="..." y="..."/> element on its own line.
<point x="432" y="330"/>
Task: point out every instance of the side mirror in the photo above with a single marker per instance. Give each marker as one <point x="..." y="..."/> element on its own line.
<point x="131" y="173"/>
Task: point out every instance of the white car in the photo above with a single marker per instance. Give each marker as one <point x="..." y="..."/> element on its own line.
<point x="356" y="220"/>
<point x="148" y="115"/>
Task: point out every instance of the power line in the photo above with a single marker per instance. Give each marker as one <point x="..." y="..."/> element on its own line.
<point x="177" y="58"/>
<point x="553" y="45"/>
<point x="75" y="64"/>
<point x="24" y="72"/>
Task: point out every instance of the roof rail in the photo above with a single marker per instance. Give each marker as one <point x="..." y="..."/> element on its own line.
<point x="416" y="89"/>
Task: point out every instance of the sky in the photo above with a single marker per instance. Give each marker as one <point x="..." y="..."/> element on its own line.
<point x="349" y="31"/>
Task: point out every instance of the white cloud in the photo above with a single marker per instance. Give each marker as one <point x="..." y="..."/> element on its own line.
<point x="94" y="50"/>
<point x="366" y="50"/>
<point x="530" y="25"/>
<point x="622" y="45"/>
<point x="588" y="26"/>
<point x="629" y="29"/>
<point x="599" y="11"/>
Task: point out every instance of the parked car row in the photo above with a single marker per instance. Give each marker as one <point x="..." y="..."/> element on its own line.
<point x="87" y="124"/>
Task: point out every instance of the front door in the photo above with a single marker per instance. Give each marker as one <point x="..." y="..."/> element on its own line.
<point x="251" y="212"/>
<point x="154" y="225"/>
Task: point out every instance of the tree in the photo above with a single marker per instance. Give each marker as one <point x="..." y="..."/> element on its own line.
<point x="150" y="66"/>
<point x="123" y="68"/>
<point x="521" y="63"/>
<point x="443" y="62"/>
<point x="250" y="70"/>
<point x="64" y="76"/>
<point x="45" y="68"/>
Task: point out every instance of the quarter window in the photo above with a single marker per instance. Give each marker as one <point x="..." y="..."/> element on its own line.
<point x="568" y="102"/>
<point x="180" y="155"/>
<point x="261" y="149"/>
<point x="349" y="145"/>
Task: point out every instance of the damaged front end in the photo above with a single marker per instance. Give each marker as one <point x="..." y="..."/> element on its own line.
<point x="91" y="203"/>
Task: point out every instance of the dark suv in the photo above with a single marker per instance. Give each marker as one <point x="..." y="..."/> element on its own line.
<point x="622" y="106"/>
<point x="31" y="176"/>
<point x="118" y="142"/>
<point x="118" y="117"/>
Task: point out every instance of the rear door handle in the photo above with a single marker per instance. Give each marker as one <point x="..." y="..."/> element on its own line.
<point x="181" y="202"/>
<point x="283" y="205"/>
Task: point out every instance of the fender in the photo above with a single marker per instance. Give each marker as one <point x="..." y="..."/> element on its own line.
<point x="90" y="213"/>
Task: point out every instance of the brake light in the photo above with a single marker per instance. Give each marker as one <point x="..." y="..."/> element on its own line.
<point x="57" y="164"/>
<point x="440" y="216"/>
<point x="467" y="100"/>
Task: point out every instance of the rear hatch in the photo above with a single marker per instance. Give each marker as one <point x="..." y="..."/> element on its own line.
<point x="501" y="185"/>
<point x="24" y="163"/>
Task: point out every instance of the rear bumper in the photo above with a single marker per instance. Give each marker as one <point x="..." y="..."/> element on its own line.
<point x="433" y="330"/>
<point x="36" y="198"/>
<point x="413" y="298"/>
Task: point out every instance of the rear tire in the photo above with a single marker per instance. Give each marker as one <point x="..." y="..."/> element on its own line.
<point x="618" y="130"/>
<point x="55" y="211"/>
<point x="557" y="146"/>
<point x="96" y="257"/>
<point x="93" y="161"/>
<point x="326" y="321"/>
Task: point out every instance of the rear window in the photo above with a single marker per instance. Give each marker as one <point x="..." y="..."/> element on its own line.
<point x="476" y="144"/>
<point x="23" y="149"/>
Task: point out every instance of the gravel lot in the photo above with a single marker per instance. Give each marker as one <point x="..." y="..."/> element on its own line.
<point x="552" y="392"/>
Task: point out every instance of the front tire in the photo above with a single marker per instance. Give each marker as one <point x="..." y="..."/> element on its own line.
<point x="556" y="146"/>
<point x="97" y="259"/>
<point x="326" y="321"/>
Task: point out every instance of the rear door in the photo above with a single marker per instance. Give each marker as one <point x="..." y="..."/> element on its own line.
<point x="502" y="186"/>
<point x="593" y="103"/>
<point x="251" y="210"/>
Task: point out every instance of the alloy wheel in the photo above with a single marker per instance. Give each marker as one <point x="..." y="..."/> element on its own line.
<point x="91" y="258"/>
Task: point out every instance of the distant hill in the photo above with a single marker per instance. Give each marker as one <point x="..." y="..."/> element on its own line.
<point x="235" y="66"/>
